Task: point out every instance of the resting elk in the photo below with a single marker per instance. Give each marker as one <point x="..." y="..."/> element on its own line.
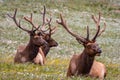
<point x="46" y="34"/>
<point x="85" y="63"/>
<point x="28" y="53"/>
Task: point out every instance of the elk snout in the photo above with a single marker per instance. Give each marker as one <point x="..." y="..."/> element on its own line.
<point x="99" y="51"/>
<point x="53" y="43"/>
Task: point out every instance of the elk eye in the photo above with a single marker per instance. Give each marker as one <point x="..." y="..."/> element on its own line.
<point x="94" y="47"/>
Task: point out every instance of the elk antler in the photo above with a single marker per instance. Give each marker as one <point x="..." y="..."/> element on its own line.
<point x="87" y="38"/>
<point x="51" y="30"/>
<point x="44" y="12"/>
<point x="63" y="23"/>
<point x="44" y="19"/>
<point x="30" y="20"/>
<point x="97" y="21"/>
<point x="102" y="30"/>
<point x="17" y="22"/>
<point x="45" y="22"/>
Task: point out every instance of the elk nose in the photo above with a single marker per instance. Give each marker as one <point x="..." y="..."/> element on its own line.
<point x="99" y="51"/>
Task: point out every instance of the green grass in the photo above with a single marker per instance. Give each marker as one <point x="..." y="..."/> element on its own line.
<point x="78" y="15"/>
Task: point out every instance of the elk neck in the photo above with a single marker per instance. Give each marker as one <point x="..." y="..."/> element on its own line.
<point x="45" y="49"/>
<point x="85" y="62"/>
<point x="32" y="49"/>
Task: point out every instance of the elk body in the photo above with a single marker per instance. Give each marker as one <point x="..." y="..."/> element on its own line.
<point x="85" y="63"/>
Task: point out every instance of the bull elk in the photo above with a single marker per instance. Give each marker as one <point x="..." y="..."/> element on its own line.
<point x="46" y="34"/>
<point x="28" y="53"/>
<point x="85" y="63"/>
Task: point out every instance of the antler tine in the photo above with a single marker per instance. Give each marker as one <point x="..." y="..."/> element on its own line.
<point x="87" y="38"/>
<point x="17" y="22"/>
<point x="102" y="29"/>
<point x="30" y="20"/>
<point x="50" y="30"/>
<point x="99" y="18"/>
<point x="63" y="23"/>
<point x="44" y="12"/>
<point x="13" y="15"/>
<point x="44" y="20"/>
<point x="97" y="21"/>
<point x="49" y="24"/>
<point x="53" y="30"/>
<point x="48" y="21"/>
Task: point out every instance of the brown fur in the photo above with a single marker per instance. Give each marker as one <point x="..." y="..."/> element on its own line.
<point x="84" y="63"/>
<point x="51" y="43"/>
<point x="29" y="52"/>
<point x="98" y="70"/>
<point x="43" y="51"/>
<point x="40" y="58"/>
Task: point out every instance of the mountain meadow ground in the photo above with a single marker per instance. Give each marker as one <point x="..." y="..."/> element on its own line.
<point x="77" y="13"/>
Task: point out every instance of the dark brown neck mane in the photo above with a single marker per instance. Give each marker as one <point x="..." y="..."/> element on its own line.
<point x="32" y="49"/>
<point x="85" y="63"/>
<point x="46" y="49"/>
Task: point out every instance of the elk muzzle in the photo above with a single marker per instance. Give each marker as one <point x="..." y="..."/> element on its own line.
<point x="99" y="51"/>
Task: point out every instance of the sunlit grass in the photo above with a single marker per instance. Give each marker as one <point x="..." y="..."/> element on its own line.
<point x="54" y="69"/>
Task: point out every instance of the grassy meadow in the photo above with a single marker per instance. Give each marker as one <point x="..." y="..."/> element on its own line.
<point x="78" y="15"/>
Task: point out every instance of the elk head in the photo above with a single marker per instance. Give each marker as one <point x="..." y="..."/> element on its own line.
<point x="48" y="38"/>
<point x="35" y="37"/>
<point x="91" y="47"/>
